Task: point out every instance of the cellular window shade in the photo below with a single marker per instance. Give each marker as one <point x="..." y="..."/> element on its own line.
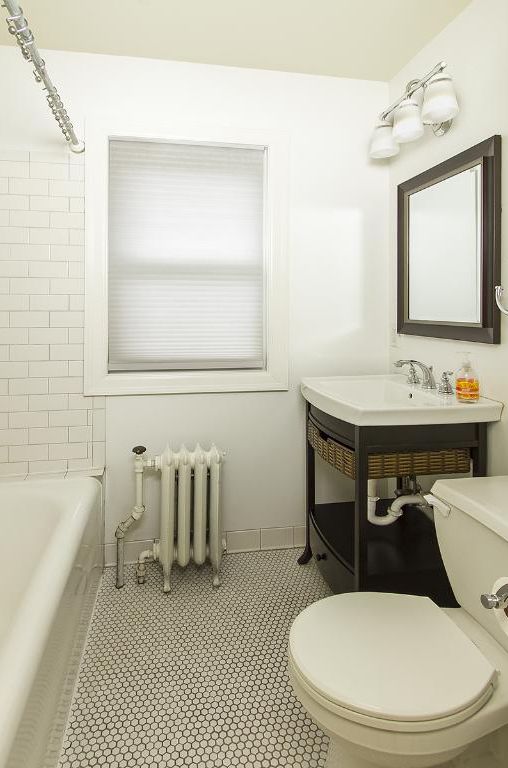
<point x="186" y="267"/>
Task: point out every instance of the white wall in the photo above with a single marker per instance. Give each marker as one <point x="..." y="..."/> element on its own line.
<point x="338" y="232"/>
<point x="474" y="46"/>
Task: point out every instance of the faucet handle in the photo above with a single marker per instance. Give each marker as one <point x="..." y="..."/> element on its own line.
<point x="445" y="385"/>
<point x="497" y="600"/>
<point x="412" y="376"/>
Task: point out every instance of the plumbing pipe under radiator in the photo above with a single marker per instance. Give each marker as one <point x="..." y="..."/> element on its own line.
<point x="136" y="513"/>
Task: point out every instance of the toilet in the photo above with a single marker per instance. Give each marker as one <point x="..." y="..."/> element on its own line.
<point x="396" y="681"/>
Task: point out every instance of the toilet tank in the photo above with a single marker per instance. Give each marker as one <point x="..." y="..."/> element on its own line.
<point x="473" y="539"/>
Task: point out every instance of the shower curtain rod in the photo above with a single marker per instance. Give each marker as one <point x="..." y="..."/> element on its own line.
<point x="18" y="26"/>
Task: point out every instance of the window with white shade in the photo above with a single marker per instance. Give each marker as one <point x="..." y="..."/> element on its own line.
<point x="186" y="266"/>
<point x="186" y="269"/>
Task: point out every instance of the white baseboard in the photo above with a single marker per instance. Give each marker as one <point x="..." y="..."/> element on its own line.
<point x="251" y="540"/>
<point x="265" y="538"/>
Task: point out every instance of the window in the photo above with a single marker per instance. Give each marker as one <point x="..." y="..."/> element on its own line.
<point x="185" y="265"/>
<point x="186" y="283"/>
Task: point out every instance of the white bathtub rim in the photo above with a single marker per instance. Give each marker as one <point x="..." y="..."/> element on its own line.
<point x="21" y="653"/>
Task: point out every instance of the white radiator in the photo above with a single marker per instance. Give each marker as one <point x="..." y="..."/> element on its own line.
<point x="190" y="511"/>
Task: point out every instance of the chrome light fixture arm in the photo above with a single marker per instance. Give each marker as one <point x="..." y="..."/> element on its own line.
<point x="18" y="27"/>
<point x="439" y="129"/>
<point x="412" y="87"/>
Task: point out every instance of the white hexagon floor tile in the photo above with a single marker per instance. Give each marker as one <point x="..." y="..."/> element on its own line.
<point x="197" y="677"/>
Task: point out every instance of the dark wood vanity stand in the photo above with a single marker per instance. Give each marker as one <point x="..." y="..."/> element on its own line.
<point x="352" y="553"/>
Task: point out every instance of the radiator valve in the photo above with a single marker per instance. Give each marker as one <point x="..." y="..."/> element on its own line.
<point x="141" y="572"/>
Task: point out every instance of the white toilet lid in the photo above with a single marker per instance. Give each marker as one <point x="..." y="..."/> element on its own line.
<point x="396" y="657"/>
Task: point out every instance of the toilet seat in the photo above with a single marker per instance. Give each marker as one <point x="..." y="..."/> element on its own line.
<point x="395" y="662"/>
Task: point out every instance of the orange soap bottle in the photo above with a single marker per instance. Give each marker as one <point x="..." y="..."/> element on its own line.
<point x="467" y="384"/>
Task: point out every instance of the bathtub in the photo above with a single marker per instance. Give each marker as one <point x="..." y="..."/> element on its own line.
<point x="50" y="561"/>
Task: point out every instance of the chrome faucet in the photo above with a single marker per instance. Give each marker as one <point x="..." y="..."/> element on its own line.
<point x="428" y="381"/>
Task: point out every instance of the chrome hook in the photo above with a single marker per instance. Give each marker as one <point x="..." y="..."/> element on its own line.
<point x="499" y="290"/>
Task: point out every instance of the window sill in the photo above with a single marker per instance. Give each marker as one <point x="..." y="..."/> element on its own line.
<point x="186" y="382"/>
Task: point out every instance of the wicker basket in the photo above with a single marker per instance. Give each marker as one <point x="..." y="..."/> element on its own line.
<point x="455" y="460"/>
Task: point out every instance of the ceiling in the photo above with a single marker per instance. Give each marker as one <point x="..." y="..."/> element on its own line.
<point x="367" y="39"/>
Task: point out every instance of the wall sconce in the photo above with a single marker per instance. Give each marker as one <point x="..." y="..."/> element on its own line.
<point x="382" y="143"/>
<point x="405" y="119"/>
<point x="440" y="102"/>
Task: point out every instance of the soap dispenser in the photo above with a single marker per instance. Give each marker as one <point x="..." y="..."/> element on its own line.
<point x="467" y="385"/>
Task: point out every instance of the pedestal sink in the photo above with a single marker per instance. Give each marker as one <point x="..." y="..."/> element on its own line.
<point x="388" y="400"/>
<point x="380" y="428"/>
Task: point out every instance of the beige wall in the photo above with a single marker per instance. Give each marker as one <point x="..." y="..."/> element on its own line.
<point x="475" y="48"/>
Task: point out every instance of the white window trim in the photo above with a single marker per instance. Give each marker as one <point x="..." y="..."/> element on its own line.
<point x="97" y="379"/>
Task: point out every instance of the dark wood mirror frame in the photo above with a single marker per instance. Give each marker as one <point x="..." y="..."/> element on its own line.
<point x="487" y="154"/>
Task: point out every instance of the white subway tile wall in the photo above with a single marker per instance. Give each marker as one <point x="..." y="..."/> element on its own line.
<point x="46" y="424"/>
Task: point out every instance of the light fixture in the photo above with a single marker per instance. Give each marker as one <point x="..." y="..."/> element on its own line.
<point x="382" y="143"/>
<point x="404" y="120"/>
<point x="407" y="121"/>
<point x="440" y="102"/>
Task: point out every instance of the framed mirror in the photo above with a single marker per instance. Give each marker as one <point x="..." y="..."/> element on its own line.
<point x="449" y="247"/>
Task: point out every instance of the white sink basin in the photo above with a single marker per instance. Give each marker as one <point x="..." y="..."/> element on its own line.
<point x="389" y="400"/>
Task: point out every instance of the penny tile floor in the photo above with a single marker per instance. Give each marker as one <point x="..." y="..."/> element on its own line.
<point x="197" y="677"/>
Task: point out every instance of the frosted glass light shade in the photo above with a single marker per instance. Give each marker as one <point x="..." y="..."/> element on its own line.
<point x="382" y="143"/>
<point x="407" y="121"/>
<point x="440" y="102"/>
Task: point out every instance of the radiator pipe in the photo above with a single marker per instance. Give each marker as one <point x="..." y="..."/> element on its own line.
<point x="136" y="513"/>
<point x="147" y="554"/>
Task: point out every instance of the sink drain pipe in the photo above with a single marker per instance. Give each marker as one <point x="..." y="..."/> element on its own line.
<point x="395" y="509"/>
<point x="373" y="498"/>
